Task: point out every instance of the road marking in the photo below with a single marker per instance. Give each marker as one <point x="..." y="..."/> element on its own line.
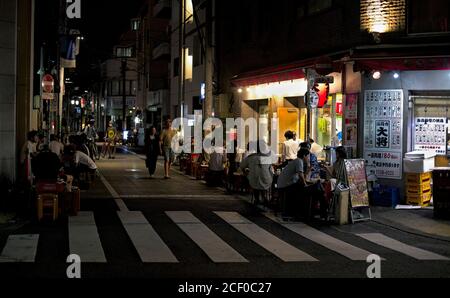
<point x="414" y="252"/>
<point x="149" y="245"/>
<point x="183" y="197"/>
<point x="84" y="239"/>
<point x="275" y="245"/>
<point x="336" y="245"/>
<point x="20" y="249"/>
<point x="120" y="203"/>
<point x="216" y="249"/>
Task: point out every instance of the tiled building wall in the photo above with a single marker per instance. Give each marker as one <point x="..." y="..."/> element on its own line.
<point x="7" y="88"/>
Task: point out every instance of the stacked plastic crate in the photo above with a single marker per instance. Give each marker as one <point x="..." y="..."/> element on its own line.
<point x="418" y="189"/>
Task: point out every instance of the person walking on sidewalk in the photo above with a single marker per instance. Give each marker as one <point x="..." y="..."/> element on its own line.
<point x="165" y="142"/>
<point x="151" y="151"/>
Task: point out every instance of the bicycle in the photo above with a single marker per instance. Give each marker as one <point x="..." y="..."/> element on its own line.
<point x="92" y="145"/>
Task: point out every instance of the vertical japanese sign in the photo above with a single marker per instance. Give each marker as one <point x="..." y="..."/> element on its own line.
<point x="351" y="121"/>
<point x="383" y="133"/>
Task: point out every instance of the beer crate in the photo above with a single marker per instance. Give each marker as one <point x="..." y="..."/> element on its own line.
<point x="412" y="179"/>
<point x="423" y="200"/>
<point x="417" y="189"/>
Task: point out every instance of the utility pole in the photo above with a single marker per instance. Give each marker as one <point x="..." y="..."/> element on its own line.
<point x="182" y="54"/>
<point x="209" y="62"/>
<point x="124" y="95"/>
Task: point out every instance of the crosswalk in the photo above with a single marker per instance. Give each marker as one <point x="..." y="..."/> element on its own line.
<point x="84" y="239"/>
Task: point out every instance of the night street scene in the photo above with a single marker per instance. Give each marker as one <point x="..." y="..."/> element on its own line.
<point x="224" y="147"/>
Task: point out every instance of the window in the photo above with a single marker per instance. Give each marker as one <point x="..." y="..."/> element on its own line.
<point x="124" y="52"/>
<point x="176" y="67"/>
<point x="133" y="87"/>
<point x="428" y="16"/>
<point x="115" y="88"/>
<point x="135" y="24"/>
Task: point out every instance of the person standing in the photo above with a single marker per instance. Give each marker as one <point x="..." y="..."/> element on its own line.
<point x="151" y="151"/>
<point x="165" y="143"/>
<point x="28" y="152"/>
<point x="290" y="148"/>
<point x="110" y="141"/>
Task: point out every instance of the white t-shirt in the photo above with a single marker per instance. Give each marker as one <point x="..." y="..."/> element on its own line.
<point x="290" y="150"/>
<point x="316" y="149"/>
<point x="56" y="147"/>
<point x="216" y="161"/>
<point x="82" y="158"/>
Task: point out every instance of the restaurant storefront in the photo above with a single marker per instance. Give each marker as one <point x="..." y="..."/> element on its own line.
<point x="406" y="104"/>
<point x="281" y="93"/>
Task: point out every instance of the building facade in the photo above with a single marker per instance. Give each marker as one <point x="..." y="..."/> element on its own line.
<point x="16" y="81"/>
<point x="393" y="50"/>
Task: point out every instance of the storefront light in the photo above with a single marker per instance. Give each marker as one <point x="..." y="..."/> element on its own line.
<point x="240" y="90"/>
<point x="376" y="75"/>
<point x="396" y="75"/>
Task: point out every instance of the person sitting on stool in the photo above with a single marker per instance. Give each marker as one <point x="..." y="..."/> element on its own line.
<point x="292" y="182"/>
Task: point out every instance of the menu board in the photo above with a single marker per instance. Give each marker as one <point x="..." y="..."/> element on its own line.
<point x="431" y="135"/>
<point x="383" y="132"/>
<point x="351" y="120"/>
<point x="357" y="182"/>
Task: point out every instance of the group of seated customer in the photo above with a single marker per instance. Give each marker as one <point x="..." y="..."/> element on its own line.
<point x="48" y="166"/>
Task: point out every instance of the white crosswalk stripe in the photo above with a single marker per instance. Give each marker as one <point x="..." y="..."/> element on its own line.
<point x="84" y="239"/>
<point x="20" y="249"/>
<point x="271" y="243"/>
<point x="149" y="245"/>
<point x="216" y="249"/>
<point x="341" y="247"/>
<point x="392" y="244"/>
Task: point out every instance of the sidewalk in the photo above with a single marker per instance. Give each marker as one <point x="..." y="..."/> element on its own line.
<point x="414" y="221"/>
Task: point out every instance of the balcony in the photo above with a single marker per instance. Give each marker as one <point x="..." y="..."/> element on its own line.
<point x="163" y="9"/>
<point x="162" y="52"/>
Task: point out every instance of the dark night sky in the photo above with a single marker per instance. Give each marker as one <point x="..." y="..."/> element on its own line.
<point x="102" y="22"/>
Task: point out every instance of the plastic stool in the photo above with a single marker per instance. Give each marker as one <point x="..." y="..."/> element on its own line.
<point x="50" y="202"/>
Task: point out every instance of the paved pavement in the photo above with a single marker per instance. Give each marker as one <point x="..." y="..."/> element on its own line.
<point x="135" y="227"/>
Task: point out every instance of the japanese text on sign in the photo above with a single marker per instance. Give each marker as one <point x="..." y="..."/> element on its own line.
<point x="383" y="133"/>
<point x="431" y="135"/>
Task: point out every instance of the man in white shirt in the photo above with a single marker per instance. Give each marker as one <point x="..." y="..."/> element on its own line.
<point x="56" y="146"/>
<point x="84" y="162"/>
<point x="290" y="148"/>
<point x="216" y="167"/>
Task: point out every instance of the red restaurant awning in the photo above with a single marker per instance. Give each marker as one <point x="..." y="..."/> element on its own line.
<point x="286" y="72"/>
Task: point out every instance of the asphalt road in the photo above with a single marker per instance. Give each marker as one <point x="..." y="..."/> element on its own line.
<point x="135" y="227"/>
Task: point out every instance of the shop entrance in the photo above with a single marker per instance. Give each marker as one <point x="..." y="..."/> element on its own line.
<point x="326" y="122"/>
<point x="431" y="129"/>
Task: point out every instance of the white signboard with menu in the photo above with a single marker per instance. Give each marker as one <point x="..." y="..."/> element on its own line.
<point x="431" y="135"/>
<point x="383" y="132"/>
